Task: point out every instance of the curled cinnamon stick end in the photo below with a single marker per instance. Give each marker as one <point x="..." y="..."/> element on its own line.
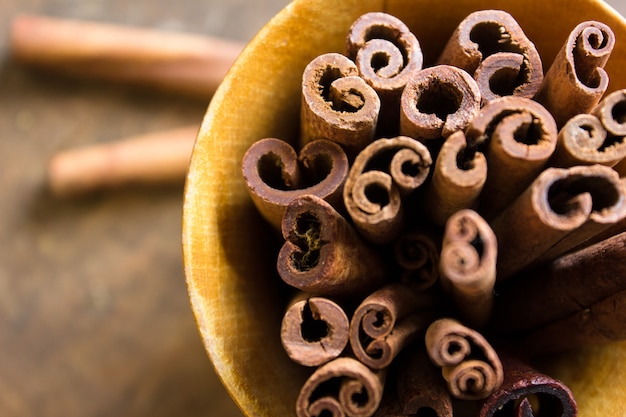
<point x="337" y="104"/>
<point x="561" y="209"/>
<point x="491" y="45"/>
<point x="275" y="175"/>
<point x="525" y="392"/>
<point x="386" y="53"/>
<point x="323" y="254"/>
<point x="468" y="266"/>
<point x="470" y="365"/>
<point x="438" y="101"/>
<point x="314" y="330"/>
<point x="576" y="80"/>
<point x="582" y="141"/>
<point x="381" y="174"/>
<point x="341" y="387"/>
<point x="517" y="136"/>
<point x="384" y="323"/>
<point x="458" y="179"/>
<point x="417" y="255"/>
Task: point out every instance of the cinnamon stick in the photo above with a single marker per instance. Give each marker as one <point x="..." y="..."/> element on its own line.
<point x="323" y="254"/>
<point x="188" y="64"/>
<point x="457" y="181"/>
<point x="314" y="330"/>
<point x="561" y="209"/>
<point x="438" y="101"/>
<point x="602" y="322"/>
<point x="152" y="158"/>
<point x="386" y="53"/>
<point x="275" y="175"/>
<point x="421" y="390"/>
<point x="341" y="387"/>
<point x="566" y="285"/>
<point x="381" y="174"/>
<point x="417" y="255"/>
<point x="526" y="392"/>
<point x="596" y="138"/>
<point x="337" y="104"/>
<point x="576" y="80"/>
<point x="470" y="365"/>
<point x="385" y="322"/>
<point x="468" y="266"/>
<point x="517" y="136"/>
<point x="476" y="46"/>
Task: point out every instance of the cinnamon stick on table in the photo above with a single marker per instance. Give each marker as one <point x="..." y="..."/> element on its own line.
<point x="382" y="173"/>
<point x="323" y="254"/>
<point x="152" y="158"/>
<point x="337" y="104"/>
<point x="386" y="53"/>
<point x="275" y="174"/>
<point x="468" y="266"/>
<point x="314" y="330"/>
<point x="341" y="387"/>
<point x="576" y="80"/>
<point x="189" y="64"/>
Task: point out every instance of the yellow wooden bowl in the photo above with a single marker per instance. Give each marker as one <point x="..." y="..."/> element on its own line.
<point x="230" y="267"/>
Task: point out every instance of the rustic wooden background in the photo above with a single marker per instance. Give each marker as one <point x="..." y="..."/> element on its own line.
<point x="94" y="315"/>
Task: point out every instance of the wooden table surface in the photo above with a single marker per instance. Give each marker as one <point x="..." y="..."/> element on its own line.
<point x="94" y="314"/>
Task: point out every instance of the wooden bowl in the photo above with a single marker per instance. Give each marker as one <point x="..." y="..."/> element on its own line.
<point x="229" y="252"/>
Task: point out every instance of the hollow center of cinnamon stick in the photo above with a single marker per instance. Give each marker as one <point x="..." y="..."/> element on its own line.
<point x="562" y="194"/>
<point x="491" y="37"/>
<point x="529" y="133"/>
<point x="504" y="81"/>
<point x="389" y="34"/>
<point x="307" y="238"/>
<point x="377" y="194"/>
<point x="312" y="328"/>
<point x="618" y="112"/>
<point x="424" y="412"/>
<point x="440" y="98"/>
<point x="272" y="172"/>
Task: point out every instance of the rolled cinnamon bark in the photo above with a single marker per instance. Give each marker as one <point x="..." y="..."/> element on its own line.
<point x="385" y="322"/>
<point x="468" y="266"/>
<point x="274" y="174"/>
<point x="602" y="322"/>
<point x="561" y="209"/>
<point x="417" y="255"/>
<point x="576" y="80"/>
<point x="470" y="365"/>
<point x="337" y="104"/>
<point x="556" y="290"/>
<point x="517" y="136"/>
<point x="386" y="53"/>
<point x="341" y="387"/>
<point x="323" y="254"/>
<point x="525" y="392"/>
<point x="438" y="101"/>
<point x="314" y="330"/>
<point x="421" y="390"/>
<point x="480" y="39"/>
<point x="458" y="179"/>
<point x="596" y="138"/>
<point x="382" y="173"/>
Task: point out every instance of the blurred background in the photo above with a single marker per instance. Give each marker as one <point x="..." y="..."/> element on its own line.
<point x="94" y="314"/>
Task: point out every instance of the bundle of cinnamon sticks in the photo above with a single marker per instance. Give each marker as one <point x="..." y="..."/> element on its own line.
<point x="444" y="225"/>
